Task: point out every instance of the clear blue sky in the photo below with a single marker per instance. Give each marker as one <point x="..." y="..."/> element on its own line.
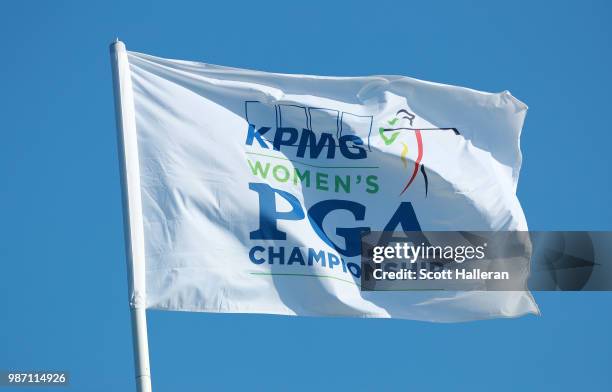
<point x="63" y="289"/>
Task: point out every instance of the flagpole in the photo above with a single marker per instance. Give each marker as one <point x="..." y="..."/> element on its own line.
<point x="132" y="210"/>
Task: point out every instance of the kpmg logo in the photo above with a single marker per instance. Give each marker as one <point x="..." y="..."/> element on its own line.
<point x="307" y="132"/>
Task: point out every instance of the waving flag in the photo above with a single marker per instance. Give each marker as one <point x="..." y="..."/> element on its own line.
<point x="249" y="191"/>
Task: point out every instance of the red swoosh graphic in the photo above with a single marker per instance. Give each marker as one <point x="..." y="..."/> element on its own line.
<point x="417" y="163"/>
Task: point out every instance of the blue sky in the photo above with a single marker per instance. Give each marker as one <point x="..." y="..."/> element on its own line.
<point x="63" y="283"/>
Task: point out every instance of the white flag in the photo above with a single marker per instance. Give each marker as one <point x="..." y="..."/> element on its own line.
<point x="255" y="187"/>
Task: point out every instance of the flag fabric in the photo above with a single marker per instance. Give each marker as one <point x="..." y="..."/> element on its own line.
<point x="255" y="187"/>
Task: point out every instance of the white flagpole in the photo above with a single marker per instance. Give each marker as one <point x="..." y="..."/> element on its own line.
<point x="132" y="210"/>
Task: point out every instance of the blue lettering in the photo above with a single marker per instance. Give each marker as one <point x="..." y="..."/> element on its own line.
<point x="280" y="255"/>
<point x="280" y="141"/>
<point x="252" y="256"/>
<point x="296" y="257"/>
<point x="352" y="236"/>
<point x="316" y="257"/>
<point x="268" y="215"/>
<point x="359" y="153"/>
<point x="253" y="134"/>
<point x="405" y="217"/>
